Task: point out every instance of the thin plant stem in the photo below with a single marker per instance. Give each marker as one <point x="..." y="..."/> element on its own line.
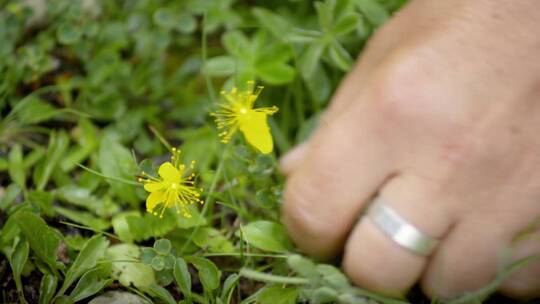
<point x="239" y="254"/>
<point x="160" y="137"/>
<point x="91" y="229"/>
<point x="204" y="54"/>
<point x="116" y="179"/>
<point x="210" y="197"/>
<point x="270" y="278"/>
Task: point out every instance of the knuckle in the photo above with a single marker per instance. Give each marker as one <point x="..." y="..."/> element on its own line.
<point x="307" y="215"/>
<point x="455" y="151"/>
<point x="301" y="212"/>
<point x="397" y="86"/>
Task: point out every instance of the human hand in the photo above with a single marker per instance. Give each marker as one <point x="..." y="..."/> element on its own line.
<point x="440" y="117"/>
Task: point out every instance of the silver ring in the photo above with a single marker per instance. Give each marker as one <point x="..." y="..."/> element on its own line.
<point x="399" y="230"/>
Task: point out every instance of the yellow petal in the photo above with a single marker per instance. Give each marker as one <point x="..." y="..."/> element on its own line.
<point x="255" y="128"/>
<point x="154" y="199"/>
<point x="153" y="186"/>
<point x="168" y="172"/>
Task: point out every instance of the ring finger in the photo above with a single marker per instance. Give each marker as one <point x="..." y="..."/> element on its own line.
<point x="374" y="260"/>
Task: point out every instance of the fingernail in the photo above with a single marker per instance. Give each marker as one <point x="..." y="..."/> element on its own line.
<point x="290" y="160"/>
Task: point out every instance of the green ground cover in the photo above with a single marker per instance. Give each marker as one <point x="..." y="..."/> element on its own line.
<point x="94" y="93"/>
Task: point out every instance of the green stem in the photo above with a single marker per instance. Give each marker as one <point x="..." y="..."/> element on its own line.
<point x="142" y="295"/>
<point x="91" y="229"/>
<point x="236" y="209"/>
<point x="299" y="103"/>
<point x="19" y="286"/>
<point x="204" y="53"/>
<point x="160" y="137"/>
<point x="270" y="278"/>
<point x="105" y="261"/>
<point x="366" y="294"/>
<point x="210" y="197"/>
<point x="116" y="179"/>
<point x="239" y="254"/>
<point x="199" y="298"/>
<point x="484" y="293"/>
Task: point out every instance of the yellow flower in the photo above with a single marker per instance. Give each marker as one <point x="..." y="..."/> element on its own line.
<point x="173" y="188"/>
<point x="237" y="112"/>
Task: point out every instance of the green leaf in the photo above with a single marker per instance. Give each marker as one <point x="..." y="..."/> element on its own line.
<point x="17" y="259"/>
<point x="147" y="254"/>
<point x="45" y="243"/>
<point x="116" y="161"/>
<point x="161" y="293"/>
<point x="120" y="297"/>
<point x="341" y="8"/>
<point x="169" y="261"/>
<point x="278" y="295"/>
<point x="157" y="263"/>
<point x="87" y="137"/>
<point x="84" y="218"/>
<point x="236" y="43"/>
<point x="121" y="225"/>
<point x="341" y="58"/>
<point x="33" y="110"/>
<point x="346" y="24"/>
<point x="320" y="88"/>
<point x="58" y="143"/>
<point x="310" y="59"/>
<point x="148" y="225"/>
<point x="68" y="34"/>
<point x="325" y="11"/>
<point x="374" y="11"/>
<point x="308" y="128"/>
<point x="212" y="240"/>
<point x="43" y="200"/>
<point x="64" y="300"/>
<point x="81" y="197"/>
<point x="208" y="272"/>
<point x="16" y="168"/>
<point x="91" y="252"/>
<point x="303" y="266"/>
<point x="9" y="232"/>
<point x="10" y="194"/>
<point x="228" y="287"/>
<point x="274" y="53"/>
<point x="33" y="157"/>
<point x="220" y="66"/>
<point x="91" y="282"/>
<point x="165" y="18"/>
<point x="162" y="246"/>
<point x="182" y="277"/>
<point x="3" y="164"/>
<point x="272" y="22"/>
<point x="186" y="24"/>
<point x="303" y="36"/>
<point x="164" y="277"/>
<point x="275" y="73"/>
<point x="324" y="294"/>
<point x="266" y="235"/>
<point x="75" y="242"/>
<point x="127" y="273"/>
<point x="47" y="288"/>
<point x="332" y="276"/>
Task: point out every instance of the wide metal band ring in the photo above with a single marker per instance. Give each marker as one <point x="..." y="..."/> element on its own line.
<point x="399" y="230"/>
